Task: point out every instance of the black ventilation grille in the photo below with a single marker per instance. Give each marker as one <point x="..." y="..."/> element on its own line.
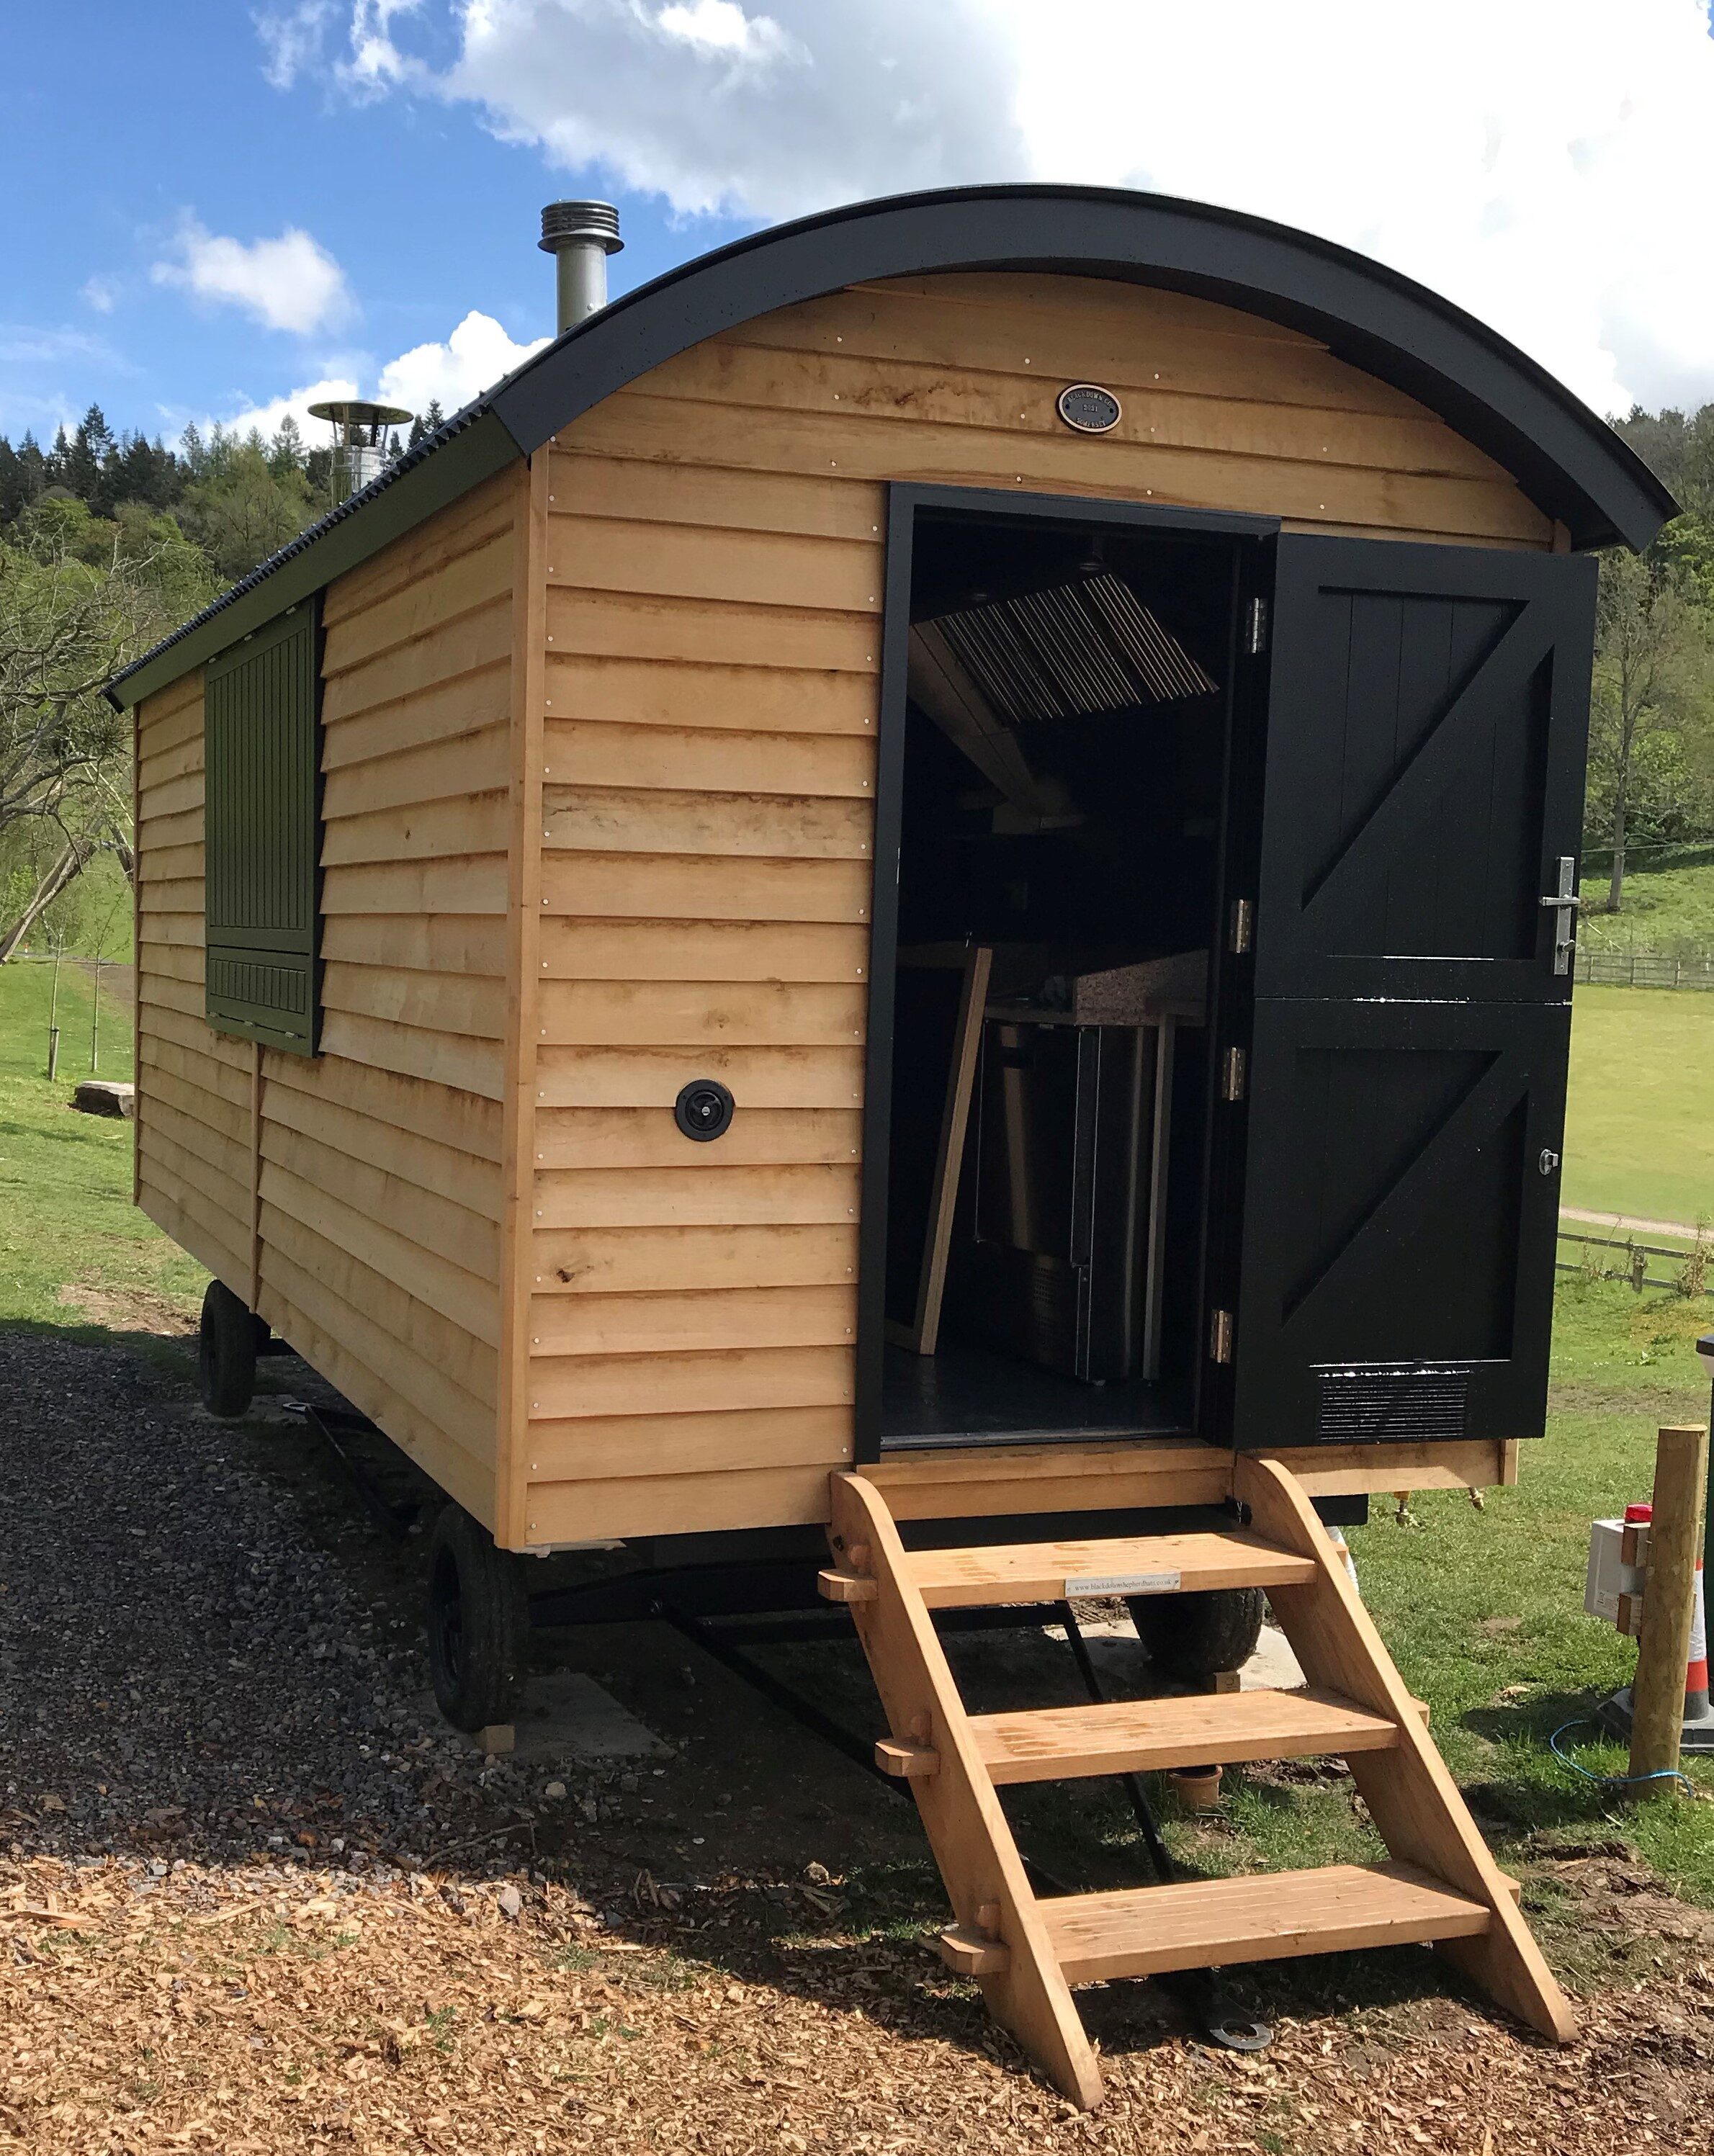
<point x="1391" y="1404"/>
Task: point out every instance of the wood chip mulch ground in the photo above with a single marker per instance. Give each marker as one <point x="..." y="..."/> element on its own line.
<point x="265" y="2008"/>
<point x="255" y="1898"/>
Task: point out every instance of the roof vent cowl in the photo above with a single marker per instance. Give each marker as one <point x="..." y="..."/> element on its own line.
<point x="580" y="236"/>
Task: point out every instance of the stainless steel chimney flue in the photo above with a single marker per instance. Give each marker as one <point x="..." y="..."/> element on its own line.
<point x="580" y="235"/>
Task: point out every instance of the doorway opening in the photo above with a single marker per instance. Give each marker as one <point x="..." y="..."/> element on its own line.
<point x="1062" y="780"/>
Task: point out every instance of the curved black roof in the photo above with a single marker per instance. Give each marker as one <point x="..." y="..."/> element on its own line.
<point x="1569" y="460"/>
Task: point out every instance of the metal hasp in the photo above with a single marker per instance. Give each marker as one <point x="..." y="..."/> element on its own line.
<point x="1565" y="902"/>
<point x="580" y="236"/>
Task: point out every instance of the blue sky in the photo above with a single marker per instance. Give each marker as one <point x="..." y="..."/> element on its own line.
<point x="125" y="120"/>
<point x="212" y="209"/>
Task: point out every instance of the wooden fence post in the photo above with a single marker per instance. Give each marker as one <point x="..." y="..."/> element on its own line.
<point x="1669" y="1594"/>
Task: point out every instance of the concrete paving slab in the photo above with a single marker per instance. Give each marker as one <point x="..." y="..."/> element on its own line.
<point x="564" y="1715"/>
<point x="1273" y="1667"/>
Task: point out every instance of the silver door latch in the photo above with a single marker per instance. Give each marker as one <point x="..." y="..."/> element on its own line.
<point x="1547" y="1161"/>
<point x="1565" y="902"/>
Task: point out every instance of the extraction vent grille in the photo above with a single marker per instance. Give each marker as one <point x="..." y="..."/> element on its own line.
<point x="1071" y="651"/>
<point x="1391" y="1404"/>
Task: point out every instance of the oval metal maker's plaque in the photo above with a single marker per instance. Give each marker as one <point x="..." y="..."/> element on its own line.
<point x="1090" y="408"/>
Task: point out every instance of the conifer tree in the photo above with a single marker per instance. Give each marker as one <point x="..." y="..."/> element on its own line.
<point x="14" y="482"/>
<point x="286" y="451"/>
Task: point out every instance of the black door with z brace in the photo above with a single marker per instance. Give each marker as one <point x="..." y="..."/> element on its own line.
<point x="1407" y="790"/>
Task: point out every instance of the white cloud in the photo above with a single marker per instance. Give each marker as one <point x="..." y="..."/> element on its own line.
<point x="265" y="418"/>
<point x="102" y="294"/>
<point x="293" y="39"/>
<point x="23" y="344"/>
<point x="721" y="27"/>
<point x="377" y="64"/>
<point x="29" y="349"/>
<point x="1541" y="162"/>
<point x="1534" y="160"/>
<point x="289" y="282"/>
<point x="473" y="358"/>
<point x="719" y="106"/>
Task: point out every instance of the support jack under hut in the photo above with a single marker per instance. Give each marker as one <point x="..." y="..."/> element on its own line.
<point x="926" y="869"/>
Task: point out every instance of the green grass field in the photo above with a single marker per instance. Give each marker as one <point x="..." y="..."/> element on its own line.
<point x="74" y="1250"/>
<point x="1639" y="1129"/>
<point x="1483" y="1610"/>
<point x="1668" y="909"/>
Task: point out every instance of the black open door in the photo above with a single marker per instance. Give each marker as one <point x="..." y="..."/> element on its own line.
<point x="1386" y="1144"/>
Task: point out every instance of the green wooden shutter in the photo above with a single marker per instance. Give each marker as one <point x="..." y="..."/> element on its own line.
<point x="263" y="833"/>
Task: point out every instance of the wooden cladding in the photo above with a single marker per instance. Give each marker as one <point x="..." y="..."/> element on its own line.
<point x="714" y="579"/>
<point x="597" y="763"/>
<point x="354" y="1198"/>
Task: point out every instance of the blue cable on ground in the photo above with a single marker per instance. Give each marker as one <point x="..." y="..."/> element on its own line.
<point x="1610" y="1781"/>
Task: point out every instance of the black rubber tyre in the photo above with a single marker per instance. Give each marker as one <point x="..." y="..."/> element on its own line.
<point x="478" y="1623"/>
<point x="226" y="1353"/>
<point x="1193" y="1637"/>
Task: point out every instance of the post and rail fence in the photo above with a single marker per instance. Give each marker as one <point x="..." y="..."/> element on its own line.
<point x="1623" y="1258"/>
<point x="1644" y="969"/>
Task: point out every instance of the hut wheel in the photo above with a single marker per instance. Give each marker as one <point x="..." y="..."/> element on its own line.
<point x="226" y="1352"/>
<point x="1193" y="1637"/>
<point x="478" y="1623"/>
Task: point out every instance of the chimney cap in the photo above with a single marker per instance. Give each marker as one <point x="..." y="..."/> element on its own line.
<point x="568" y="223"/>
<point x="358" y="412"/>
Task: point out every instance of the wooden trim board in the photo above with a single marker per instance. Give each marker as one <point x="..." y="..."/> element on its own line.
<point x="258" y="1079"/>
<point x="922" y="1334"/>
<point x="1120" y="1474"/>
<point x="529" y="667"/>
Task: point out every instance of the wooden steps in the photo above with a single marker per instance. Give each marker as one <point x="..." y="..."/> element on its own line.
<point x="1266" y="1917"/>
<point x="1144" y="1736"/>
<point x="993" y="1575"/>
<point x="1063" y="1572"/>
<point x="1440" y="1885"/>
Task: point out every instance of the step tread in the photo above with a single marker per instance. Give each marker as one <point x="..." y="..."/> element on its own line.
<point x="971" y="1578"/>
<point x="1204" y="1923"/>
<point x="1141" y="1736"/>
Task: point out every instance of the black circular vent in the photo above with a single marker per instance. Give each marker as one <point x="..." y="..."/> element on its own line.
<point x="704" y="1110"/>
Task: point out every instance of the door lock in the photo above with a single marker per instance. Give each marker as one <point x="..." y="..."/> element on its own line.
<point x="1547" y="1161"/>
<point x="1564" y="903"/>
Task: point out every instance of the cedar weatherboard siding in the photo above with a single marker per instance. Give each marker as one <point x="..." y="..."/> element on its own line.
<point x="370" y="1173"/>
<point x="713" y="588"/>
<point x="598" y="763"/>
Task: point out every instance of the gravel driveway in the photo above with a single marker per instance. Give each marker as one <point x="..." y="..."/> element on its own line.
<point x="183" y="1670"/>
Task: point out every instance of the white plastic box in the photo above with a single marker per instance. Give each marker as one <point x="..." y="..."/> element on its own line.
<point x="1608" y="1575"/>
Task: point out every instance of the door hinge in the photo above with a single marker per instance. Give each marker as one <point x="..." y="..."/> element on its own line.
<point x="1220" y="1337"/>
<point x="1243" y="926"/>
<point x="1256" y="628"/>
<point x="1232" y="1074"/>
